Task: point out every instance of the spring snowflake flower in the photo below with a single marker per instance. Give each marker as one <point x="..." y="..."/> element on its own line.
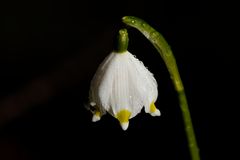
<point x="122" y="86"/>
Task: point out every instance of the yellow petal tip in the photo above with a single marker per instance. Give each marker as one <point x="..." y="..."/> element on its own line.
<point x="123" y="116"/>
<point x="152" y="107"/>
<point x="154" y="111"/>
<point x="96" y="116"/>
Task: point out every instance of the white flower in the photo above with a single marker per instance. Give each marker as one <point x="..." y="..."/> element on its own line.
<point x="122" y="86"/>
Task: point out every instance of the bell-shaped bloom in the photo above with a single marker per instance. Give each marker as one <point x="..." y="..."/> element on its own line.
<point x="122" y="86"/>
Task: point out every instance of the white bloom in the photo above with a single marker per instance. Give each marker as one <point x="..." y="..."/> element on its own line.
<point x="122" y="86"/>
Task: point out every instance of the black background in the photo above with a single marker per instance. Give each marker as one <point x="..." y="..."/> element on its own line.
<point x="50" y="50"/>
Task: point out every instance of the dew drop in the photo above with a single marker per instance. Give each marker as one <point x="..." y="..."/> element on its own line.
<point x="154" y="35"/>
<point x="144" y="25"/>
<point x="188" y="127"/>
<point x="133" y="21"/>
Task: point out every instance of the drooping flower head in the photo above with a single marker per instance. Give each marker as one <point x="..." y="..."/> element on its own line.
<point x="122" y="86"/>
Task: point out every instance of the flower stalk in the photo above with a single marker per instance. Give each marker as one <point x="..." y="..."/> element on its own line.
<point x="166" y="53"/>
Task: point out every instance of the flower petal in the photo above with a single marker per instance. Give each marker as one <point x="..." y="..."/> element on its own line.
<point x="125" y="125"/>
<point x="122" y="86"/>
<point x="153" y="110"/>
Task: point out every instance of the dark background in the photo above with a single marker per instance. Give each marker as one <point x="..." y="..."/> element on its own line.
<point x="50" y="51"/>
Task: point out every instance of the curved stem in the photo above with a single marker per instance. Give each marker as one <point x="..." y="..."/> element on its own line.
<point x="166" y="53"/>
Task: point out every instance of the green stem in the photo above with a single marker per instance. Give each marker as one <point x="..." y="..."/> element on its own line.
<point x="166" y="53"/>
<point x="122" y="41"/>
